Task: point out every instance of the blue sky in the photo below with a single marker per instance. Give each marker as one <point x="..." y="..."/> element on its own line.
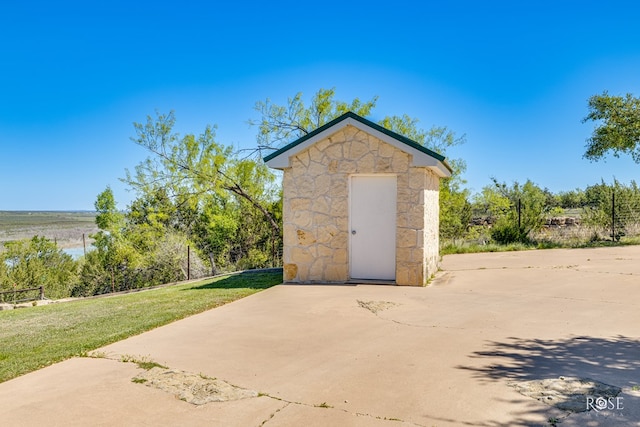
<point x="514" y="77"/>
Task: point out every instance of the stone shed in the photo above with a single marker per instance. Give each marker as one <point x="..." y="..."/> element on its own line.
<point x="360" y="205"/>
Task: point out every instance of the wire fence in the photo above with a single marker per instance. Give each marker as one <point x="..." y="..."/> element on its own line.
<point x="613" y="217"/>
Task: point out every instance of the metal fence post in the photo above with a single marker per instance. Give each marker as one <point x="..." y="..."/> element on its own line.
<point x="613" y="216"/>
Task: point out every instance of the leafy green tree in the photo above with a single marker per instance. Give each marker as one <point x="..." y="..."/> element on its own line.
<point x="192" y="189"/>
<point x="455" y="208"/>
<point x="617" y="128"/>
<point x="114" y="252"/>
<point x="491" y="203"/>
<point x="551" y="200"/>
<point x="193" y="166"/>
<point x="600" y="210"/>
<point x="280" y="124"/>
<point x="188" y="182"/>
<point x="153" y="209"/>
<point x="517" y="210"/>
<point x="439" y="139"/>
<point x="168" y="261"/>
<point x="215" y="232"/>
<point x="455" y="211"/>
<point x="3" y="273"/>
<point x="95" y="279"/>
<point x="38" y="262"/>
<point x="572" y="199"/>
<point x="108" y="217"/>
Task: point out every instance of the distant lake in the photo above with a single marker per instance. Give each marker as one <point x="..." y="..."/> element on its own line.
<point x="77" y="252"/>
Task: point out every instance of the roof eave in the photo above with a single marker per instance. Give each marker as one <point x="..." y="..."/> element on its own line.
<point x="421" y="156"/>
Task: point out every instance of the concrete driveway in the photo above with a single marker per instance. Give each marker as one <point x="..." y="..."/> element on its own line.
<point x="370" y="355"/>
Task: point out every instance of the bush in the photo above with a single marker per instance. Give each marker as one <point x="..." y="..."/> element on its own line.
<point x="506" y="231"/>
<point x="169" y="263"/>
<point x="94" y="278"/>
<point x="37" y="262"/>
<point x="254" y="259"/>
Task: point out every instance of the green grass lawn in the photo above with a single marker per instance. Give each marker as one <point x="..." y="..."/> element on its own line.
<point x="32" y="338"/>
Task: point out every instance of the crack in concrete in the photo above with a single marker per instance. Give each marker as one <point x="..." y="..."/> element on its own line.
<point x="145" y="361"/>
<point x="619" y="273"/>
<point x="599" y="301"/>
<point x="331" y="407"/>
<point x="576" y="267"/>
<point x="492" y="268"/>
<point x="412" y="325"/>
<point x="376" y="307"/>
<point x="273" y="414"/>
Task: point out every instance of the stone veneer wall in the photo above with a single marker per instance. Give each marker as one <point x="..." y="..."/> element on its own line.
<point x="316" y="209"/>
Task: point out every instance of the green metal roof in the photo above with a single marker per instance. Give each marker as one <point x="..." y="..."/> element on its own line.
<point x="351" y="115"/>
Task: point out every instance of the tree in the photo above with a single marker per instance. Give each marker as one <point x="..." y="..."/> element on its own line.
<point x="280" y="124"/>
<point x="114" y="252"/>
<point x="39" y="262"/>
<point x="3" y="273"/>
<point x="572" y="199"/>
<point x="600" y="212"/>
<point x="167" y="260"/>
<point x="153" y="209"/>
<point x="197" y="190"/>
<point x="455" y="209"/>
<point x="192" y="166"/>
<point x="439" y="139"/>
<point x="492" y="203"/>
<point x="617" y="126"/>
<point x="517" y="210"/>
<point x="108" y="217"/>
<point x="214" y="233"/>
<point x="189" y="181"/>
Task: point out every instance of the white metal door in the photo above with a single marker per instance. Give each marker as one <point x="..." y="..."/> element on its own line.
<point x="372" y="220"/>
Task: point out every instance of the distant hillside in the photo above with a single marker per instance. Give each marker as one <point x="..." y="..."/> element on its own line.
<point x="66" y="228"/>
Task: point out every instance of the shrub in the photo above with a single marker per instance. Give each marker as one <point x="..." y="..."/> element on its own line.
<point x="254" y="259"/>
<point x="37" y="262"/>
<point x="506" y="231"/>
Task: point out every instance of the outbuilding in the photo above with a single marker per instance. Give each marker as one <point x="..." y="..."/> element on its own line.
<point x="360" y="204"/>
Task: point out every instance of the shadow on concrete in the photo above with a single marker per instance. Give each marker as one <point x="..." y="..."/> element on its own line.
<point x="613" y="361"/>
